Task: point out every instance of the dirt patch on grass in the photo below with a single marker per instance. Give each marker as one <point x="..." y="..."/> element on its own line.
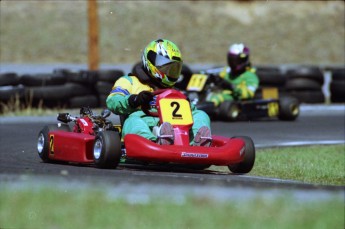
<point x="278" y="32"/>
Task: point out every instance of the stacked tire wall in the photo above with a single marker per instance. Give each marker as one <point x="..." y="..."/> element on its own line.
<point x="308" y="84"/>
<point x="63" y="88"/>
<point x="337" y="85"/>
<point x="60" y="89"/>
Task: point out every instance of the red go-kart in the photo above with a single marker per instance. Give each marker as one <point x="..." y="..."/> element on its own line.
<point x="94" y="139"/>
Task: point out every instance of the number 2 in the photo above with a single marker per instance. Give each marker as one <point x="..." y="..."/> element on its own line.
<point x="174" y="113"/>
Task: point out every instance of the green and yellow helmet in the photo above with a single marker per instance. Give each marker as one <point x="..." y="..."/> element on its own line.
<point x="163" y="61"/>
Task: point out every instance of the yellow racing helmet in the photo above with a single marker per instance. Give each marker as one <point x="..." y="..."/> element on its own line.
<point x="163" y="61"/>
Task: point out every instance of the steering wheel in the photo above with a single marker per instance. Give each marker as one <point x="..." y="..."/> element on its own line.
<point x="146" y="108"/>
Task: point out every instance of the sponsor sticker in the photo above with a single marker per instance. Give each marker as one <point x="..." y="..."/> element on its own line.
<point x="84" y="122"/>
<point x="194" y="155"/>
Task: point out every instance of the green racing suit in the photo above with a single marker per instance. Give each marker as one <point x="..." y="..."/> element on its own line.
<point x="137" y="122"/>
<point x="244" y="86"/>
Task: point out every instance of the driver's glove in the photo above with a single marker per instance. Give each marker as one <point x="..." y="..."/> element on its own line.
<point x="143" y="98"/>
<point x="221" y="82"/>
<point x="225" y="84"/>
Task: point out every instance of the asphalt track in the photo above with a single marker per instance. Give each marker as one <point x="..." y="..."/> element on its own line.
<point x="20" y="165"/>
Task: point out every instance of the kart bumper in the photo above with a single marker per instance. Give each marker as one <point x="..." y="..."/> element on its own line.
<point x="222" y="152"/>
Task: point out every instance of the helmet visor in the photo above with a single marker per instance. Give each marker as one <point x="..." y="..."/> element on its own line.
<point x="234" y="61"/>
<point x="171" y="68"/>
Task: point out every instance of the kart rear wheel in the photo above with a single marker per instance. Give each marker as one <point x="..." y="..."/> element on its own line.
<point x="228" y="111"/>
<point x="288" y="108"/>
<point x="107" y="150"/>
<point x="249" y="157"/>
<point x="43" y="140"/>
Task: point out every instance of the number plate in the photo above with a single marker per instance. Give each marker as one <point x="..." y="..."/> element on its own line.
<point x="176" y="111"/>
<point x="197" y="82"/>
<point x="270" y="93"/>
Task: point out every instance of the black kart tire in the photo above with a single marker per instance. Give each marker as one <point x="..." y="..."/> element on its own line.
<point x="288" y="108"/>
<point x="228" y="111"/>
<point x="43" y="140"/>
<point x="107" y="150"/>
<point x="249" y="157"/>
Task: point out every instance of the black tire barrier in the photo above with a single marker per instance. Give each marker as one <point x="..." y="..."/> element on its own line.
<point x="11" y="92"/>
<point x="84" y="101"/>
<point x="308" y="96"/>
<point x="337" y="85"/>
<point x="271" y="76"/>
<point x="306" y="72"/>
<point x="102" y="100"/>
<point x="85" y="77"/>
<point x="338" y="74"/>
<point x="9" y="79"/>
<point x="104" y="88"/>
<point x="302" y="84"/>
<point x="42" y="79"/>
<point x="110" y="75"/>
<point x="76" y="89"/>
<point x="337" y="89"/>
<point x="305" y="83"/>
<point x="53" y="92"/>
<point x="65" y="88"/>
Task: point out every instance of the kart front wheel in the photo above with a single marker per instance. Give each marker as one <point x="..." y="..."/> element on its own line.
<point x="229" y="111"/>
<point x="288" y="108"/>
<point x="249" y="157"/>
<point x="107" y="150"/>
<point x="43" y="140"/>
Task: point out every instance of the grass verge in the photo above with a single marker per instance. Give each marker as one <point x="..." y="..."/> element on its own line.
<point x="49" y="208"/>
<point x="311" y="164"/>
<point x="94" y="208"/>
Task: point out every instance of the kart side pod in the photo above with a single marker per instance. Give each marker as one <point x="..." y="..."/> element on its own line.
<point x="72" y="147"/>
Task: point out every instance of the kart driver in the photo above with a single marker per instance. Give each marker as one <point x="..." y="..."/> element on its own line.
<point x="238" y="80"/>
<point x="161" y="67"/>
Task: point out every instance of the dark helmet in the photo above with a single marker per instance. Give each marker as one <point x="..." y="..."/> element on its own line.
<point x="238" y="58"/>
<point x="163" y="61"/>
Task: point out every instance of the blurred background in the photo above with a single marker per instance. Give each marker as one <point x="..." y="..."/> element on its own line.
<point x="278" y="32"/>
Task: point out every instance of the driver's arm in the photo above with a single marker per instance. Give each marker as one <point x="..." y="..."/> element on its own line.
<point x="117" y="100"/>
